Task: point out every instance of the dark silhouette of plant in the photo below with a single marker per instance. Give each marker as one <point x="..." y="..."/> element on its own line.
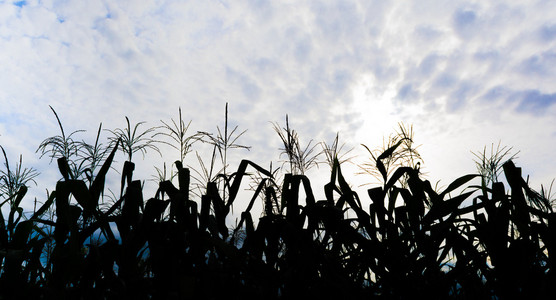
<point x="466" y="241"/>
<point x="490" y="165"/>
<point x="93" y="155"/>
<point x="133" y="141"/>
<point x="383" y="162"/>
<point x="64" y="147"/>
<point x="81" y="158"/>
<point x="270" y="189"/>
<point x="204" y="174"/>
<point x="548" y="194"/>
<point x="300" y="159"/>
<point x="222" y="143"/>
<point x="179" y="139"/>
<point x="13" y="179"/>
<point x="332" y="152"/>
<point x="224" y="140"/>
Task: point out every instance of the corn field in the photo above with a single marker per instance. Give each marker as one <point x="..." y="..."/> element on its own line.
<point x="479" y="238"/>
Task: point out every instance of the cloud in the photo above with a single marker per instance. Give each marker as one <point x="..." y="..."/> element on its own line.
<point x="248" y="87"/>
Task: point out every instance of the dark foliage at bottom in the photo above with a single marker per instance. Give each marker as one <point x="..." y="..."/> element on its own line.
<point x="410" y="241"/>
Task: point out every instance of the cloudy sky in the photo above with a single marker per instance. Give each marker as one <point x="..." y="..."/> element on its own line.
<point x="466" y="74"/>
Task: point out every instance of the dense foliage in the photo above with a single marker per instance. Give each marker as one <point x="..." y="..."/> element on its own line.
<point x="491" y="240"/>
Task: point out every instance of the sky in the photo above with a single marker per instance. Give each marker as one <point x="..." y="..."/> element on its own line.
<point x="464" y="74"/>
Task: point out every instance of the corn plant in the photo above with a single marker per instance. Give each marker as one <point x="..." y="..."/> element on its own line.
<point x="78" y="157"/>
<point x="93" y="155"/>
<point x="205" y="173"/>
<point x="132" y="141"/>
<point x="179" y="139"/>
<point x="333" y="152"/>
<point x="300" y="159"/>
<point x="222" y="142"/>
<point x="490" y="165"/>
<point x="64" y="147"/>
<point x="12" y="180"/>
<point x="270" y="192"/>
<point x="383" y="163"/>
<point x="466" y="241"/>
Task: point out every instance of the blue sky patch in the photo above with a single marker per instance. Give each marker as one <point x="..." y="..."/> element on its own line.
<point x="548" y="32"/>
<point x="20" y="3"/>
<point x="464" y="18"/>
<point x="535" y="102"/>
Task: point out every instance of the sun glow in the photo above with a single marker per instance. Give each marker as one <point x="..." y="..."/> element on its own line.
<point x="375" y="109"/>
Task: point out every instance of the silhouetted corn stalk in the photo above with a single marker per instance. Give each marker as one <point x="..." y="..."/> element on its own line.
<point x="467" y="241"/>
